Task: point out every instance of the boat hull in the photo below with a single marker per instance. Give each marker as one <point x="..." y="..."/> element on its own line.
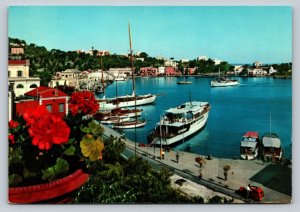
<point x="124" y="126"/>
<point x="196" y="127"/>
<point x="223" y="84"/>
<point x="109" y="104"/>
<point x="250" y="156"/>
<point x="140" y="100"/>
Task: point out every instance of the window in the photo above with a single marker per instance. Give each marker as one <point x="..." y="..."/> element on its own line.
<point x="20" y="86"/>
<point x="20" y="73"/>
<point x="8" y="73"/>
<point x="61" y="107"/>
<point x="33" y="86"/>
<point x="49" y="108"/>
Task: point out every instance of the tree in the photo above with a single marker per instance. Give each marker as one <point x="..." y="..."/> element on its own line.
<point x="226" y="168"/>
<point x="144" y="55"/>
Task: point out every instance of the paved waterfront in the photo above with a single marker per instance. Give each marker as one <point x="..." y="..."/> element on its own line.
<point x="275" y="179"/>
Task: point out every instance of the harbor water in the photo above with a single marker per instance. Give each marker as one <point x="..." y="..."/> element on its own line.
<point x="256" y="104"/>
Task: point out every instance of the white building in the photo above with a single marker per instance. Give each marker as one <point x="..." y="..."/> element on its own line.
<point x="205" y="58"/>
<point x="185" y="60"/>
<point x="272" y="70"/>
<point x="257" y="64"/>
<point x="171" y="63"/>
<point x="217" y="61"/>
<point x="120" y="72"/>
<point x="68" y="77"/>
<point x="18" y="77"/>
<point x="161" y="70"/>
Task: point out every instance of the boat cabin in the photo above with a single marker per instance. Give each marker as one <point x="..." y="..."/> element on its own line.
<point x="271" y="146"/>
<point x="249" y="145"/>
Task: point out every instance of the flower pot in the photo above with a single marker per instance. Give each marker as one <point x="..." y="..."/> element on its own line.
<point x="48" y="192"/>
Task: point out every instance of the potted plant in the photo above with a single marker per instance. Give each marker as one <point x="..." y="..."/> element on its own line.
<point x="48" y="154"/>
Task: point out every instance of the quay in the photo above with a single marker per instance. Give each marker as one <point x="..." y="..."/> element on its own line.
<point x="275" y="179"/>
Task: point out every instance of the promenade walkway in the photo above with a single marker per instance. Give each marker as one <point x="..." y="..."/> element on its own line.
<point x="275" y="179"/>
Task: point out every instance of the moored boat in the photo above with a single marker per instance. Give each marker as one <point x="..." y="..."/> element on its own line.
<point x="126" y="101"/>
<point x="133" y="99"/>
<point x="179" y="123"/>
<point x="249" y="145"/>
<point x="184" y="82"/>
<point x="223" y="82"/>
<point x="271" y="147"/>
<point x="114" y="119"/>
<point x="130" y="124"/>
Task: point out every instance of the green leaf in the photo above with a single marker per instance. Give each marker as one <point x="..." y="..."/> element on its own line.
<point x="27" y="174"/>
<point x="58" y="170"/>
<point x="70" y="151"/>
<point x="95" y="128"/>
<point x="71" y="140"/>
<point x="14" y="179"/>
<point x="92" y="148"/>
<point x="86" y="130"/>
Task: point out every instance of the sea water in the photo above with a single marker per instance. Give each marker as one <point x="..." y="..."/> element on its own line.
<point x="256" y="104"/>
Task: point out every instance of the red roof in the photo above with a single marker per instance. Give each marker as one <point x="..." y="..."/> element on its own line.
<point x="45" y="92"/>
<point x="18" y="62"/>
<point x="251" y="134"/>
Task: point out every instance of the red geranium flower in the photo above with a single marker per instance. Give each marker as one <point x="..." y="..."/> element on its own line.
<point x="83" y="102"/>
<point x="45" y="128"/>
<point x="13" y="124"/>
<point x="11" y="137"/>
<point x="32" y="115"/>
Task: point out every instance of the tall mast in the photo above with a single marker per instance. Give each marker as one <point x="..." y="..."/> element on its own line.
<point x="133" y="87"/>
<point x="131" y="60"/>
<point x="102" y="76"/>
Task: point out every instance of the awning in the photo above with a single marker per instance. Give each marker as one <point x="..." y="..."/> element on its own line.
<point x="271" y="142"/>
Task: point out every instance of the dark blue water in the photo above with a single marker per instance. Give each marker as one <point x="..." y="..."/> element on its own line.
<point x="235" y="110"/>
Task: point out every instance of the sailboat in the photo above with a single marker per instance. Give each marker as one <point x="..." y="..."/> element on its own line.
<point x="135" y="123"/>
<point x="184" y="82"/>
<point x="271" y="145"/>
<point x="133" y="99"/>
<point x="110" y="115"/>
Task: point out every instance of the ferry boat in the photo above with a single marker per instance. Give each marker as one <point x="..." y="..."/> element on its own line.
<point x="223" y="82"/>
<point x="249" y="145"/>
<point x="271" y="147"/>
<point x="180" y="122"/>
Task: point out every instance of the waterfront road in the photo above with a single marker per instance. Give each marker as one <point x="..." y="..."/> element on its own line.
<point x="275" y="179"/>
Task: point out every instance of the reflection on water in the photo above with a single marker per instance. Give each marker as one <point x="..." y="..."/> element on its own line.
<point x="234" y="110"/>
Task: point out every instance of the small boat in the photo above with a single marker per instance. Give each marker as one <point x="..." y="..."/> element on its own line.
<point x="223" y="82"/>
<point x="249" y="145"/>
<point x="114" y="119"/>
<point x="130" y="124"/>
<point x="271" y="147"/>
<point x="179" y="123"/>
<point x="120" y="79"/>
<point x="184" y="82"/>
<point x="126" y="112"/>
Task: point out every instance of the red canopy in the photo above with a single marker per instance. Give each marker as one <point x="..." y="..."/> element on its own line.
<point x="251" y="134"/>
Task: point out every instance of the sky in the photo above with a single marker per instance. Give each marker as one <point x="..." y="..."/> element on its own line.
<point x="234" y="34"/>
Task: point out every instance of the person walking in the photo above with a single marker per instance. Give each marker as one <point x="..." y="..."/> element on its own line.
<point x="177" y="157"/>
<point x="163" y="154"/>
